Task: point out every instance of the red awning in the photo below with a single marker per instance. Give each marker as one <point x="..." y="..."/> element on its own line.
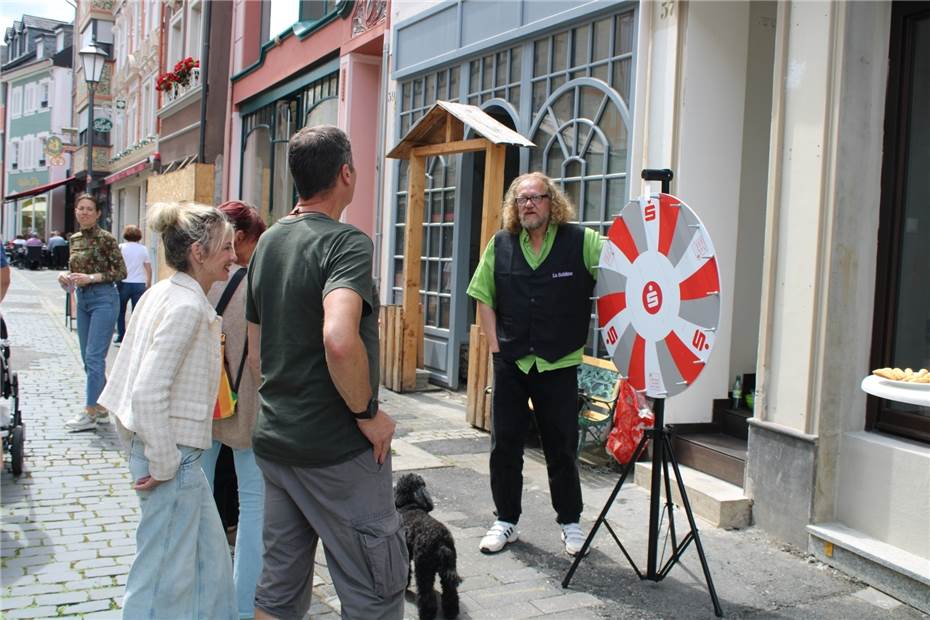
<point x="125" y="172"/>
<point x="41" y="189"/>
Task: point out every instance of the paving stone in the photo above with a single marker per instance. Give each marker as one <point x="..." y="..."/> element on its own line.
<point x="566" y="602"/>
<point x="15" y="602"/>
<point x="58" y="577"/>
<point x="89" y="606"/>
<point x="61" y="598"/>
<point x="23" y="590"/>
<point x="89" y="582"/>
<point x="129" y="550"/>
<point x="116" y="569"/>
<point x="513" y="593"/>
<point x="31" y="613"/>
<point x="94" y="563"/>
<point x="478" y="582"/>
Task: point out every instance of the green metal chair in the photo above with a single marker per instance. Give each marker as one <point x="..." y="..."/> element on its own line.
<point x="598" y="390"/>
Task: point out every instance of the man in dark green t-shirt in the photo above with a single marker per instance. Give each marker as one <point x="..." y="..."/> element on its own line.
<point x="321" y="441"/>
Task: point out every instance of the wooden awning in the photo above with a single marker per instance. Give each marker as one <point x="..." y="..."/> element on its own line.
<point x="442" y="127"/>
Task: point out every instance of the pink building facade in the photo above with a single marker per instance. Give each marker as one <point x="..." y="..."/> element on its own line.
<point x="292" y="67"/>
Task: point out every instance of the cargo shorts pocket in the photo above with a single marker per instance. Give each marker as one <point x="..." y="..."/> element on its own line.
<point x="385" y="547"/>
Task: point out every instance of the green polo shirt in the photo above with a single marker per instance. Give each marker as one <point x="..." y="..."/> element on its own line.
<point x="481" y="287"/>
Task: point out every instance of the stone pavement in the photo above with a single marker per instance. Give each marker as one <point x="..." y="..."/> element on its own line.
<point x="68" y="523"/>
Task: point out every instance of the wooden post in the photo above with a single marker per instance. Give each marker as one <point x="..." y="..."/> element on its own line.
<point x="494" y="162"/>
<point x="479" y="403"/>
<point x="413" y="249"/>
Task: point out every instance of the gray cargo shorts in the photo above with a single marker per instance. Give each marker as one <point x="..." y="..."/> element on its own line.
<point x="350" y="507"/>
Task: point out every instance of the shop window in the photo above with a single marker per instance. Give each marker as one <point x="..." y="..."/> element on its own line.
<point x="266" y="180"/>
<point x="901" y="327"/>
<point x="578" y="81"/>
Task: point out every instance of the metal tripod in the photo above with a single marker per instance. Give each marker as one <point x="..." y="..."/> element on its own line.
<point x="662" y="456"/>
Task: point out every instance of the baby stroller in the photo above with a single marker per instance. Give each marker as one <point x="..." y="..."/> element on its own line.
<point x="12" y="430"/>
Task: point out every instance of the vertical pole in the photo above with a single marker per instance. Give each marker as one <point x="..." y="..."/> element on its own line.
<point x="413" y="249"/>
<point x="658" y="449"/>
<point x="90" y="136"/>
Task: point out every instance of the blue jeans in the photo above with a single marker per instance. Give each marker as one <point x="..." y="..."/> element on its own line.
<point x="247" y="564"/>
<point x="182" y="567"/>
<point x="97" y="306"/>
<point x="128" y="291"/>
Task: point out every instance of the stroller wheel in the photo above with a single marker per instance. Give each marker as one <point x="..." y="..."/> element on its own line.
<point x="14" y="393"/>
<point x="17" y="447"/>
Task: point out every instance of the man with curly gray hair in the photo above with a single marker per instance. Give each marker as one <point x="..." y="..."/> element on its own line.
<point x="533" y="287"/>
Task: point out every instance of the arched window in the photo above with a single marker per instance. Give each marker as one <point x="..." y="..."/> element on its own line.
<point x="582" y="138"/>
<point x="256" y="170"/>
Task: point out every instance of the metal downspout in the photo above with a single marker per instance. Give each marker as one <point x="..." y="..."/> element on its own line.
<point x="204" y="75"/>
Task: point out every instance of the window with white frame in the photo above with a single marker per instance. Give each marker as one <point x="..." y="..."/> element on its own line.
<point x="25" y="153"/>
<point x="194" y="28"/>
<point x="175" y="39"/>
<point x="148" y="107"/>
<point x="44" y="89"/>
<point x="135" y="16"/>
<point x="131" y="135"/>
<point x="16" y="102"/>
<point x="15" y="152"/>
<point x="120" y="52"/>
<point x="40" y="48"/>
<point x="151" y="16"/>
<point x="41" y="140"/>
<point x="29" y="98"/>
<point x="60" y="41"/>
<point x="281" y="16"/>
<point x="119" y="133"/>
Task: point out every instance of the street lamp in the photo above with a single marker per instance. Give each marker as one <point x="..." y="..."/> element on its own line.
<point x="92" y="60"/>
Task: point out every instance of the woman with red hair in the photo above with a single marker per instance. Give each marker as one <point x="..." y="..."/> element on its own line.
<point x="236" y="431"/>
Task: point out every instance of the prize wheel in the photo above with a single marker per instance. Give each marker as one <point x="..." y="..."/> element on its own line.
<point x="658" y="295"/>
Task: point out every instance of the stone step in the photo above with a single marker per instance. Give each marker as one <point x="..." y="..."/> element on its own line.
<point x="714" y="500"/>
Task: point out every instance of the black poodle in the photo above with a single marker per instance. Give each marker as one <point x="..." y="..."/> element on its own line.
<point x="430" y="546"/>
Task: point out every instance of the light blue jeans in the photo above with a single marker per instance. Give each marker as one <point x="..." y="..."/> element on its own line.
<point x="97" y="309"/>
<point x="247" y="564"/>
<point x="182" y="567"/>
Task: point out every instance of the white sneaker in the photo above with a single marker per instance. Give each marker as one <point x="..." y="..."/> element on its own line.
<point x="80" y="422"/>
<point x="573" y="537"/>
<point x="500" y="534"/>
<point x="102" y="418"/>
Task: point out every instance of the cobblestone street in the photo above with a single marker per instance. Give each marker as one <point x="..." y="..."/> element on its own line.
<point x="68" y="522"/>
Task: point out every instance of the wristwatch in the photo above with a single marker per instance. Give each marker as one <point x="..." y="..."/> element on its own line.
<point x="370" y="411"/>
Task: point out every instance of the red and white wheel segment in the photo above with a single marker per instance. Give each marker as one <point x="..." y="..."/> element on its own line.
<point x="658" y="294"/>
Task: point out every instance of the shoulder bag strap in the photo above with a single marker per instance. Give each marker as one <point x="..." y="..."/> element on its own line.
<point x="229" y="290"/>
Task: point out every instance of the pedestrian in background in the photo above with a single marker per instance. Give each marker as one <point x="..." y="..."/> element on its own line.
<point x="533" y="289"/>
<point x="95" y="265"/>
<point x="162" y="391"/>
<point x="321" y="441"/>
<point x="236" y="431"/>
<point x="138" y="276"/>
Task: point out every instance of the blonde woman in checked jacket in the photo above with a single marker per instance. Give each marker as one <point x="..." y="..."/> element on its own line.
<point x="162" y="389"/>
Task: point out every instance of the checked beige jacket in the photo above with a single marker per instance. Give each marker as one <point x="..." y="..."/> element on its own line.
<point x="164" y="382"/>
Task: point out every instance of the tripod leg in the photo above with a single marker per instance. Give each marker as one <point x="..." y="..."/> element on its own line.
<point x="658" y="456"/>
<point x="668" y="495"/>
<point x="718" y="611"/>
<point x="603" y="516"/>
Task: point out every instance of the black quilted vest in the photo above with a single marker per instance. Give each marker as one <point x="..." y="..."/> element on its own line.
<point x="545" y="312"/>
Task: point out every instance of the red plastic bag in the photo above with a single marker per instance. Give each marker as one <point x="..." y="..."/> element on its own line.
<point x="631" y="416"/>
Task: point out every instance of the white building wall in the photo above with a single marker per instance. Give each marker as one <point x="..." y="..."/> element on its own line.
<point x="795" y="241"/>
<point x="61" y="110"/>
<point x="750" y="239"/>
<point x="703" y="127"/>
